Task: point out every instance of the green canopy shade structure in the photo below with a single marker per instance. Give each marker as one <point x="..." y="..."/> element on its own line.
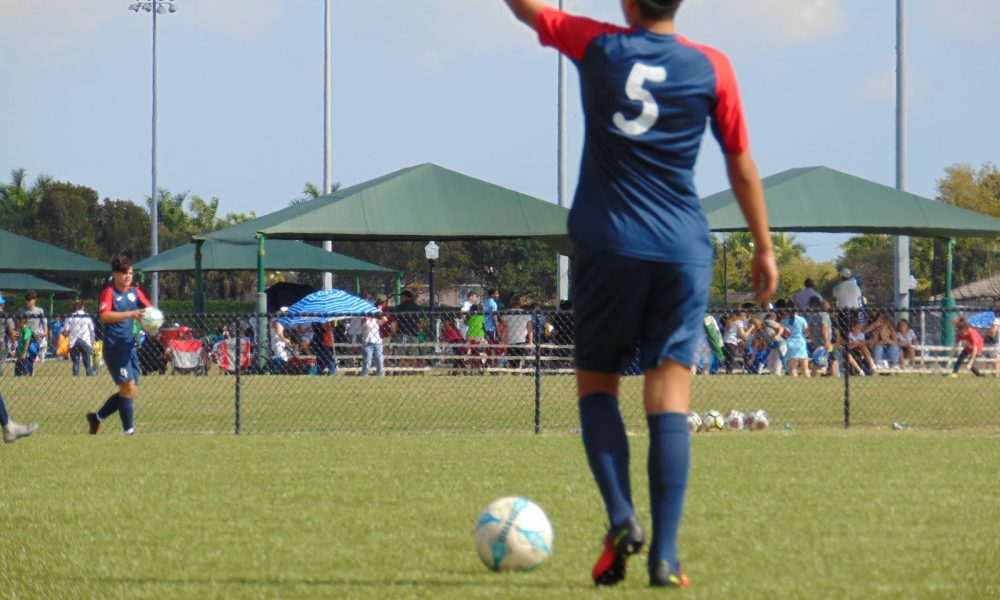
<point x="820" y="199"/>
<point x="21" y="254"/>
<point x="24" y="281"/>
<point x="823" y="200"/>
<point x="425" y="202"/>
<point x="282" y="255"/>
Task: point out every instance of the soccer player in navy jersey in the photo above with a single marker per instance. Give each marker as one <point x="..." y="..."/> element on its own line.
<point x="643" y="253"/>
<point x="120" y="305"/>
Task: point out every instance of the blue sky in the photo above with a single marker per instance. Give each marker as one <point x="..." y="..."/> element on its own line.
<point x="462" y="84"/>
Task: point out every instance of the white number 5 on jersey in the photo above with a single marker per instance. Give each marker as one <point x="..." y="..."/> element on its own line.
<point x="633" y="89"/>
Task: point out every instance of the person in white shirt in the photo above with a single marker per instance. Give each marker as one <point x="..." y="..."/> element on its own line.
<point x="847" y="292"/>
<point x="371" y="345"/>
<point x="80" y="331"/>
<point x="472" y="299"/>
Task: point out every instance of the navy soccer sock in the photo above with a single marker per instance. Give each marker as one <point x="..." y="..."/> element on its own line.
<point x="125" y="411"/>
<point x="606" y="444"/>
<point x="110" y="407"/>
<point x="4" y="418"/>
<point x="669" y="459"/>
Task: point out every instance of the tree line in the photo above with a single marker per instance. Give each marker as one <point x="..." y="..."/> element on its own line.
<point x="74" y="217"/>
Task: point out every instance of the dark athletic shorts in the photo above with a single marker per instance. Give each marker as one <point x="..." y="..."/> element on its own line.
<point x="621" y="304"/>
<point x="122" y="363"/>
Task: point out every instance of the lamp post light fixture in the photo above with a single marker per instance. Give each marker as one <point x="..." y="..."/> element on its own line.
<point x="155" y="7"/>
<point x="431" y="251"/>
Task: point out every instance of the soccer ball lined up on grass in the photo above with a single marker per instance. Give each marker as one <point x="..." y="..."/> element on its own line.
<point x="735" y="420"/>
<point x="695" y="423"/>
<point x="758" y="420"/>
<point x="513" y="534"/>
<point x="713" y="421"/>
<point x="151" y="320"/>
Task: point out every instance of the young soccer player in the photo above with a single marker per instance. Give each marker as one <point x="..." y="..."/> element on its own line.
<point x="13" y="431"/>
<point x="643" y="254"/>
<point x="120" y="305"/>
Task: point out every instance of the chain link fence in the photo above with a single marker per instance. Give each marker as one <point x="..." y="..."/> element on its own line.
<point x="212" y="373"/>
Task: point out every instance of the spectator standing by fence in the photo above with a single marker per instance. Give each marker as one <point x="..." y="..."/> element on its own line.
<point x="8" y="329"/>
<point x="471" y="299"/>
<point x="802" y="297"/>
<point x="37" y="322"/>
<point x="27" y="349"/>
<point x="80" y="336"/>
<point x="519" y="332"/>
<point x="371" y="345"/>
<point x="491" y="309"/>
<point x="643" y="258"/>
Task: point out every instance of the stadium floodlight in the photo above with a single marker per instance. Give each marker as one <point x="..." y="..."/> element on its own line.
<point x="155" y="7"/>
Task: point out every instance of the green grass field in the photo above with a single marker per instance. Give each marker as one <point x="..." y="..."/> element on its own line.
<point x="481" y="404"/>
<point x="792" y="514"/>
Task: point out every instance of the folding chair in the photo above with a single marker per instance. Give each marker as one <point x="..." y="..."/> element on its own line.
<point x="224" y="353"/>
<point x="187" y="356"/>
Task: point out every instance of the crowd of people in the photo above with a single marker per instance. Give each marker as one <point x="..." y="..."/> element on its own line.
<point x="808" y="335"/>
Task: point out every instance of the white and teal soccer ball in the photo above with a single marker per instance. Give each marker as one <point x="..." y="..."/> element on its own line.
<point x="513" y="534"/>
<point x="151" y="320"/>
<point x="713" y="421"/>
<point x="758" y="420"/>
<point x="735" y="420"/>
<point x="695" y="423"/>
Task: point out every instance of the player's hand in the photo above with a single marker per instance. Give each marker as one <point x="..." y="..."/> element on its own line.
<point x="763" y="274"/>
<point x="137" y="313"/>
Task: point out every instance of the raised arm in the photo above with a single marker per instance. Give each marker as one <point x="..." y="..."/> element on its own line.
<point x="525" y="10"/>
<point x="745" y="181"/>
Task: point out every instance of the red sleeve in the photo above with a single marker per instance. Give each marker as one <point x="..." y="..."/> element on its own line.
<point x="142" y="297"/>
<point x="106" y="302"/>
<point x="728" y="123"/>
<point x="569" y="34"/>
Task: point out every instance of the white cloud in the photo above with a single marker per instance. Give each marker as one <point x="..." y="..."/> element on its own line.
<point x="969" y="21"/>
<point x="48" y="29"/>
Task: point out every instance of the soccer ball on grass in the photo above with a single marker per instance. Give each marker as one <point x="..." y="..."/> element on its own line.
<point x="758" y="420"/>
<point x="735" y="420"/>
<point x="513" y="534"/>
<point x="151" y="320"/>
<point x="713" y="421"/>
<point x="695" y="423"/>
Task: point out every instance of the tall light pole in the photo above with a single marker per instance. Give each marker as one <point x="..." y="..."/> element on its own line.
<point x="901" y="244"/>
<point x="562" y="262"/>
<point x="156" y="7"/>
<point x="327" y="170"/>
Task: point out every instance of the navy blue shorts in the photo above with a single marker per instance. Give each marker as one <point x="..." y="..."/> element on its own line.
<point x="122" y="363"/>
<point x="622" y="304"/>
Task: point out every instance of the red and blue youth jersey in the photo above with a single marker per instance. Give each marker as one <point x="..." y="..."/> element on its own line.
<point x="646" y="100"/>
<point x="122" y="332"/>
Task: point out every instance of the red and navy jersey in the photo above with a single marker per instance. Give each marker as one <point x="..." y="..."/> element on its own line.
<point x="646" y="99"/>
<point x="113" y="300"/>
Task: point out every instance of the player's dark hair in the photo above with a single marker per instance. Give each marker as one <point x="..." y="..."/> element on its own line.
<point x="658" y="10"/>
<point x="121" y="264"/>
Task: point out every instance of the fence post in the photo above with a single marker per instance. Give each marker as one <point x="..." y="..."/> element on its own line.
<point x="846" y="351"/>
<point x="239" y="343"/>
<point x="537" y="320"/>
